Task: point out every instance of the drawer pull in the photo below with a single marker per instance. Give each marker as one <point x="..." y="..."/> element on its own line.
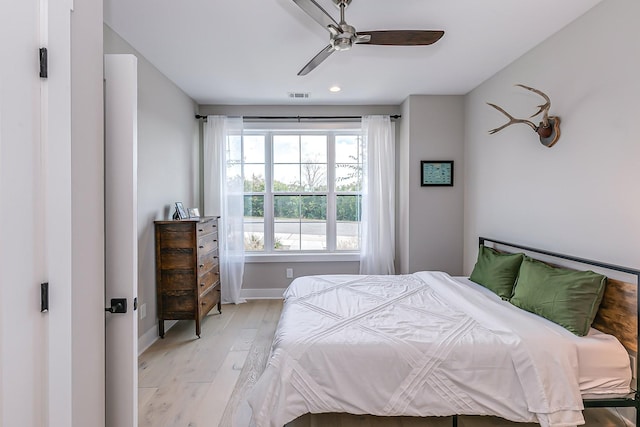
<point x="201" y="247"/>
<point x="217" y="273"/>
<point x="200" y="229"/>
<point x="201" y="265"/>
<point x="215" y="240"/>
<point x="202" y="285"/>
<point x="215" y="257"/>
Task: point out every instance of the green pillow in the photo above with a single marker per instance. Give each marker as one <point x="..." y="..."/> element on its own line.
<point x="567" y="297"/>
<point x="496" y="271"/>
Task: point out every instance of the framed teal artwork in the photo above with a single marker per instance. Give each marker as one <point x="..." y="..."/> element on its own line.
<point x="436" y="173"/>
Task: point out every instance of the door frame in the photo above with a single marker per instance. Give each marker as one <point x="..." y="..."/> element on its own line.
<point x="58" y="212"/>
<point x="121" y="239"/>
<point x="87" y="211"/>
<point x="75" y="213"/>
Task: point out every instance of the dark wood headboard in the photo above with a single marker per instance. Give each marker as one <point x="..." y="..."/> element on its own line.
<point x="619" y="312"/>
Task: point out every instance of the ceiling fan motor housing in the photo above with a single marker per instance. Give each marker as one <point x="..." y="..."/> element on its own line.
<point x="344" y="40"/>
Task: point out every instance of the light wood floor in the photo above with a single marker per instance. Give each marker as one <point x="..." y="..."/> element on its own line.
<point x="189" y="382"/>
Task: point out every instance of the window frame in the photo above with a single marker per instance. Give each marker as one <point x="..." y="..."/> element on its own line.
<point x="331" y="130"/>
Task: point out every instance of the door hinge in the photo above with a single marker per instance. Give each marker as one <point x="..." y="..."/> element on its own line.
<point x="43" y="63"/>
<point x="44" y="297"/>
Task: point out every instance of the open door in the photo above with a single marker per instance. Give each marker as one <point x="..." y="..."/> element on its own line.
<point x="51" y="216"/>
<point x="121" y="240"/>
<point x="24" y="358"/>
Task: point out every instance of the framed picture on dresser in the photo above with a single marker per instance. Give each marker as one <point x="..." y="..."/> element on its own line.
<point x="181" y="212"/>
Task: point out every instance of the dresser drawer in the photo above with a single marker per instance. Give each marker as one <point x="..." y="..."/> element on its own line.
<point x="207" y="261"/>
<point x="208" y="279"/>
<point x="208" y="227"/>
<point x="207" y="243"/>
<point x="209" y="300"/>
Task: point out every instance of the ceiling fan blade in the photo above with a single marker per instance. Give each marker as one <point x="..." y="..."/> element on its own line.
<point x="320" y="15"/>
<point x="324" y="54"/>
<point x="401" y="37"/>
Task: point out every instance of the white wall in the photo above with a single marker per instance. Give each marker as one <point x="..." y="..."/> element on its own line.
<point x="581" y="196"/>
<point x="168" y="165"/>
<point x="403" y="193"/>
<point x="431" y="218"/>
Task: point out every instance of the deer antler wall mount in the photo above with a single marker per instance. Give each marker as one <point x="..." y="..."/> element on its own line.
<point x="548" y="129"/>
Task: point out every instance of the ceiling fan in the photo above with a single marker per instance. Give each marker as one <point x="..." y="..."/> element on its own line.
<point x="343" y="35"/>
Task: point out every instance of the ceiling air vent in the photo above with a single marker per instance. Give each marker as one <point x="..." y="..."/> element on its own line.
<point x="299" y="95"/>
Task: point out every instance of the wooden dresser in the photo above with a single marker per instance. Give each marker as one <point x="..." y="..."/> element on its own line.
<point x="187" y="270"/>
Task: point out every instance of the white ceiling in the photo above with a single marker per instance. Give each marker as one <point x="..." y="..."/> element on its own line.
<point x="249" y="51"/>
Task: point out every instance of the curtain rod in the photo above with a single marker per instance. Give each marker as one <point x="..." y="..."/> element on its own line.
<point x="299" y="118"/>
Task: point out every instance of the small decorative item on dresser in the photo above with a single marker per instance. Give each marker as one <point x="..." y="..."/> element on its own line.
<point x="180" y="212"/>
<point x="194" y="213"/>
<point x="187" y="270"/>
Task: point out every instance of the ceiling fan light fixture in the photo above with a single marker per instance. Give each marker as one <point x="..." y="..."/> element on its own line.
<point x="341" y="44"/>
<point x="343" y="41"/>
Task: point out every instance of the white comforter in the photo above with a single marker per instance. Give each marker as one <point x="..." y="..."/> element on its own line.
<point x="417" y="345"/>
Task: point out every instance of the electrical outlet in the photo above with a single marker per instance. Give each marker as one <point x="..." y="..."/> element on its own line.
<point x="633" y="366"/>
<point x="143" y="311"/>
<point x="289" y="273"/>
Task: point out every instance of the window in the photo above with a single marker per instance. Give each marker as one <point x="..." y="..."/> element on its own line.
<point x="301" y="190"/>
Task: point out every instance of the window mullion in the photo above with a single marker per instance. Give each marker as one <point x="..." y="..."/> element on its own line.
<point x="268" y="194"/>
<point x="300" y="190"/>
<point x="331" y="194"/>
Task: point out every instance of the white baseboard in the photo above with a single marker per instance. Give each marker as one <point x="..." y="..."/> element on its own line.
<point x="270" y="293"/>
<point x="151" y="336"/>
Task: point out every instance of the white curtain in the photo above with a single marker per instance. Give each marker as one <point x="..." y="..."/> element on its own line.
<point x="378" y="196"/>
<point x="223" y="196"/>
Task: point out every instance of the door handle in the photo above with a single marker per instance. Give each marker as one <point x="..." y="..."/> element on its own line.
<point x="118" y="305"/>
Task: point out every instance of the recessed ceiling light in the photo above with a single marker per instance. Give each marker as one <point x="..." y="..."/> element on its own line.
<point x="335" y="89"/>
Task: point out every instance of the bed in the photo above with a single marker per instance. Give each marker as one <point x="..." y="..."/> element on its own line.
<point x="428" y="344"/>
